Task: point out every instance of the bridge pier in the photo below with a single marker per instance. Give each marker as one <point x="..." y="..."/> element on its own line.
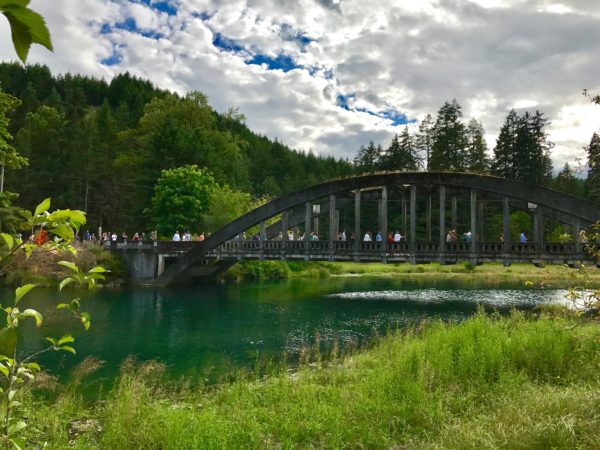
<point x="442" y="224"/>
<point x="284" y="231"/>
<point x="505" y="232"/>
<point x="357" y="233"/>
<point x="454" y="213"/>
<point x="307" y="230"/>
<point x="384" y="223"/>
<point x="332" y="234"/>
<point x="473" y="230"/>
<point x="413" y="223"/>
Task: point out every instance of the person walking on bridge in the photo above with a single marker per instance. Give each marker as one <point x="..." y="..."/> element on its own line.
<point x="176" y="236"/>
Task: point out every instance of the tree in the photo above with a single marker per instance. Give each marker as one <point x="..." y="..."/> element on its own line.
<point x="8" y="154"/>
<point x="477" y="159"/>
<point x="226" y="204"/>
<point x="593" y="178"/>
<point x="567" y="182"/>
<point x="367" y="159"/>
<point x="448" y="150"/>
<point x="181" y="196"/>
<point x="424" y="139"/>
<point x="401" y="154"/>
<point x="26" y="26"/>
<point x="522" y="149"/>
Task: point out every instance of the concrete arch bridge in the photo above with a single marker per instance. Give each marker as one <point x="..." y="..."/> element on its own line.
<point x="423" y="206"/>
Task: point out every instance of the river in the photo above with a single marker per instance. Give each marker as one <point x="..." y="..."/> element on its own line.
<point x="207" y="331"/>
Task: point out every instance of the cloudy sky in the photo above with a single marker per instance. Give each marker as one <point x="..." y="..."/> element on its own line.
<point x="331" y="75"/>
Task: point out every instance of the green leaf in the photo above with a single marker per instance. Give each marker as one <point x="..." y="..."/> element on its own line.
<point x="85" y="320"/>
<point x="34" y="366"/>
<point x="16" y="427"/>
<point x="70" y="265"/>
<point x="35" y="314"/>
<point x="63" y="231"/>
<point x="22" y="290"/>
<point x="8" y="341"/>
<point x="63" y="306"/>
<point x="64" y="283"/>
<point x="10" y="242"/>
<point x="97" y="269"/>
<point x="42" y="207"/>
<point x="4" y="370"/>
<point x="18" y="443"/>
<point x="52" y="341"/>
<point x="66" y="339"/>
<point x="68" y="348"/>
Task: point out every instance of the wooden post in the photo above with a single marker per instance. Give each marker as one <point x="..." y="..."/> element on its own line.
<point x="506" y="232"/>
<point x="473" y="222"/>
<point x="332" y="235"/>
<point x="454" y="214"/>
<point x="357" y="233"/>
<point x="428" y="223"/>
<point x="384" y="221"/>
<point x="413" y="221"/>
<point x="442" y="224"/>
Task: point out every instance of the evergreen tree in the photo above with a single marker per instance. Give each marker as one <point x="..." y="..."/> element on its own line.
<point x="505" y="150"/>
<point x="522" y="150"/>
<point x="567" y="182"/>
<point x="9" y="157"/>
<point x="477" y="159"/>
<point x="401" y="154"/>
<point x="368" y="158"/>
<point x="593" y="178"/>
<point x="424" y="139"/>
<point x="448" y="150"/>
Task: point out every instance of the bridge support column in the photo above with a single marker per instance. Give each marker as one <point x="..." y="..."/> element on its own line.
<point x="538" y="227"/>
<point x="576" y="239"/>
<point x="480" y="221"/>
<point x="413" y="223"/>
<point x="505" y="232"/>
<point x="307" y="230"/>
<point x="160" y="266"/>
<point x="404" y="216"/>
<point x="284" y="229"/>
<point x="454" y="214"/>
<point x="332" y="235"/>
<point x="357" y="233"/>
<point x="442" y="225"/>
<point x="262" y="236"/>
<point x="473" y="226"/>
<point x="337" y="223"/>
<point x="384" y="223"/>
<point x="428" y="223"/>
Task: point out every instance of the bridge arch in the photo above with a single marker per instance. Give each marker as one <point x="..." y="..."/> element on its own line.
<point x="564" y="205"/>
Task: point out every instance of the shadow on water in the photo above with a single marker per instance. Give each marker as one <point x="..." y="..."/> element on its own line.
<point x="204" y="332"/>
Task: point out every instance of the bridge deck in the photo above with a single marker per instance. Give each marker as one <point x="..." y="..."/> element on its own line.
<point x="423" y="252"/>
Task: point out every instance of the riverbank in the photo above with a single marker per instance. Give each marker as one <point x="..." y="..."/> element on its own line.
<point x="490" y="274"/>
<point x="487" y="382"/>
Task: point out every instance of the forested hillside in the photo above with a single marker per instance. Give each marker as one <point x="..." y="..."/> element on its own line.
<point x="100" y="147"/>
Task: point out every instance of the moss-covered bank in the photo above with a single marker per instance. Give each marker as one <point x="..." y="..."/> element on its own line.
<point x="491" y="274"/>
<point x="488" y="382"/>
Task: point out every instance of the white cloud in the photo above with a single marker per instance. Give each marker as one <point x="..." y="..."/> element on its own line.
<point x="406" y="56"/>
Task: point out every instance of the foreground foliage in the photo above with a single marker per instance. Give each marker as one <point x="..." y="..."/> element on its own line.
<point x="488" y="382"/>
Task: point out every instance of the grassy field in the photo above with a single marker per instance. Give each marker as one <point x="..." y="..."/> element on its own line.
<point x="488" y="382"/>
<point x="556" y="276"/>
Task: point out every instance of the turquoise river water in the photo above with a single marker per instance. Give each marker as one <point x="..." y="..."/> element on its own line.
<point x="204" y="332"/>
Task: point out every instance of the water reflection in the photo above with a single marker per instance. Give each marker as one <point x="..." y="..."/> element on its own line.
<point x="206" y="331"/>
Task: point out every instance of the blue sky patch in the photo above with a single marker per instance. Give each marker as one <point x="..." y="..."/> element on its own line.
<point x="204" y="15"/>
<point x="281" y="62"/>
<point x="114" y="59"/>
<point x="397" y="118"/>
<point x="162" y="6"/>
<point x="130" y="25"/>
<point x="226" y="44"/>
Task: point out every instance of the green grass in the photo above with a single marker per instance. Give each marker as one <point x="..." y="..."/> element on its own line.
<point x="488" y="382"/>
<point x="493" y="274"/>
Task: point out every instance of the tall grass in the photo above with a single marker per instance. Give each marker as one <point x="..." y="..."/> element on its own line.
<point x="488" y="382"/>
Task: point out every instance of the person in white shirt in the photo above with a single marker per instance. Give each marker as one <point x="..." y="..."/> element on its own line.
<point x="397" y="236"/>
<point x="343" y="236"/>
<point x="176" y="237"/>
<point x="367" y="237"/>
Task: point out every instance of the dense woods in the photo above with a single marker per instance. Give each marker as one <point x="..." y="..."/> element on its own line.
<point x="100" y="147"/>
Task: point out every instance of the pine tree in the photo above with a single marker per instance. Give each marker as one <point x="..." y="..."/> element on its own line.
<point x="504" y="152"/>
<point x="522" y="149"/>
<point x="368" y="158"/>
<point x="477" y="159"/>
<point x="401" y="154"/>
<point x="424" y="139"/>
<point x="448" y="150"/>
<point x="593" y="178"/>
<point x="567" y="182"/>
